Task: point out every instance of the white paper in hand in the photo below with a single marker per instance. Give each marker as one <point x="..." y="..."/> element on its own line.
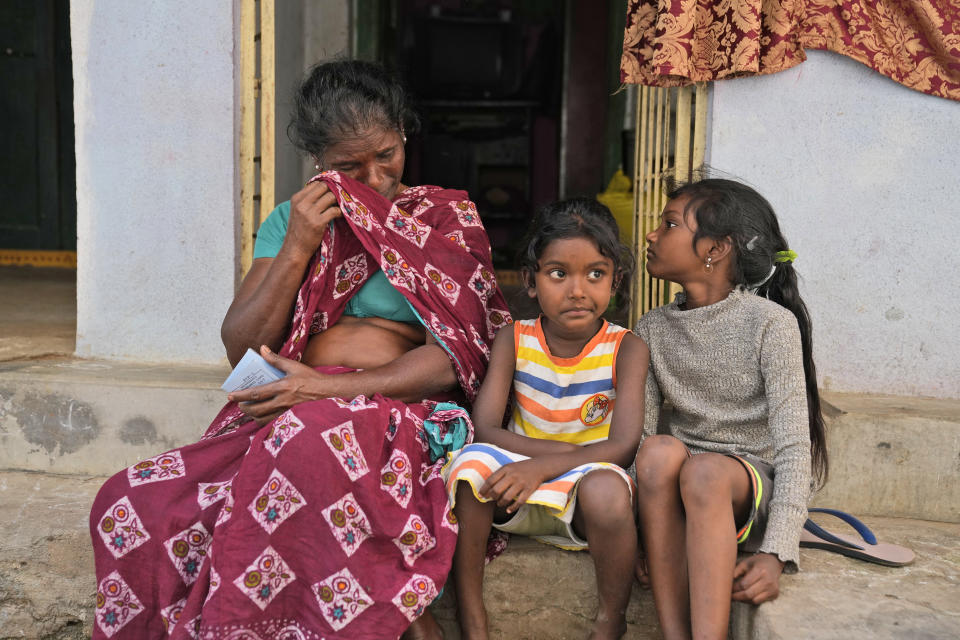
<point x="251" y="371"/>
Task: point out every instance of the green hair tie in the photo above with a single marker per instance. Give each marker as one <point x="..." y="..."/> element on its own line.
<point x="786" y="256"/>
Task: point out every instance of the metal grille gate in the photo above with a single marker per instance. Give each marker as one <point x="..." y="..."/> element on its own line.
<point x="671" y="135"/>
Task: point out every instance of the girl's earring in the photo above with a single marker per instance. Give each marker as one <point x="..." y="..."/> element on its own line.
<point x="707" y="266"/>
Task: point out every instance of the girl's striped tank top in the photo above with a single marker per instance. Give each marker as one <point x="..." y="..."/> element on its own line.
<point x="567" y="399"/>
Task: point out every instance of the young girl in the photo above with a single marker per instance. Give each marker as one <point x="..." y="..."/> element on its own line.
<point x="732" y="355"/>
<point x="555" y="472"/>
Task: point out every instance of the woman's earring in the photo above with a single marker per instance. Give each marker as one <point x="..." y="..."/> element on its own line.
<point x="707" y="266"/>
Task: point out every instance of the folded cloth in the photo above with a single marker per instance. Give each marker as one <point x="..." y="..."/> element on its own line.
<point x="477" y="462"/>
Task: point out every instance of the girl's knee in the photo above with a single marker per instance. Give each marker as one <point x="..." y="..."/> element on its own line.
<point x="471" y="512"/>
<point x="603" y="495"/>
<point x="465" y="495"/>
<point x="702" y="480"/>
<point x="659" y="461"/>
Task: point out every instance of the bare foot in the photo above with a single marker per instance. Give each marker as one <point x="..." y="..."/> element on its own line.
<point x="473" y="629"/>
<point x="640" y="571"/>
<point x="608" y="630"/>
<point x="423" y="628"/>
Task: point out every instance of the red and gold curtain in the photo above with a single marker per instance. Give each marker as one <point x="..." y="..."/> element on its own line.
<point x="677" y="42"/>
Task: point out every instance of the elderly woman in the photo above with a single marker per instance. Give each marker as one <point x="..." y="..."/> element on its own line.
<point x="313" y="507"/>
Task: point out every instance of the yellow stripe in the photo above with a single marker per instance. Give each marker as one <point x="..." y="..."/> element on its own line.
<point x="33" y="258"/>
<point x="599" y="432"/>
<point x="758" y="494"/>
<point x="586" y="365"/>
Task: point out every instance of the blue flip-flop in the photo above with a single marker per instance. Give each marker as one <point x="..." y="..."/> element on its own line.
<point x="867" y="548"/>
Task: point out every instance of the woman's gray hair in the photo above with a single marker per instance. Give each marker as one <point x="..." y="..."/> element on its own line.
<point x="342" y="99"/>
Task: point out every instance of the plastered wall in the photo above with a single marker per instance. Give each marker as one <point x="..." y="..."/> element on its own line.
<point x="156" y="182"/>
<point x="863" y="174"/>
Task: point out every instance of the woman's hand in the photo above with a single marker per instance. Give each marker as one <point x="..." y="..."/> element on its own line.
<point x="311" y="211"/>
<point x="756" y="578"/>
<point x="266" y="402"/>
<point x="261" y="310"/>
<point x="512" y="484"/>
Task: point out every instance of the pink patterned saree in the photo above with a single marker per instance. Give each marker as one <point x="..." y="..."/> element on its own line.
<point x="332" y="521"/>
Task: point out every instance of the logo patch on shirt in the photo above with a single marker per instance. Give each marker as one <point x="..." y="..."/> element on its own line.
<point x="595" y="409"/>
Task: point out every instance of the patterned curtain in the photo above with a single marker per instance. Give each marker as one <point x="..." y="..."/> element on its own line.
<point x="676" y="42"/>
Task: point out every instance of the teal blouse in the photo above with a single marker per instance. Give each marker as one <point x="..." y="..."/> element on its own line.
<point x="377" y="298"/>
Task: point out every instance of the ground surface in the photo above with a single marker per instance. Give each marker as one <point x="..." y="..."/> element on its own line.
<point x="38" y="313"/>
<point x="47" y="584"/>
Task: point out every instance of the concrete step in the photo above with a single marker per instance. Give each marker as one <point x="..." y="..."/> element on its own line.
<point x="532" y="591"/>
<point x="66" y="415"/>
<point x="535" y="592"/>
<point x="69" y="415"/>
<point x="839" y="598"/>
<point x="893" y="456"/>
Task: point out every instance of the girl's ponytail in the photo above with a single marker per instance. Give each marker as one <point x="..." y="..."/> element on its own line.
<point x="782" y="288"/>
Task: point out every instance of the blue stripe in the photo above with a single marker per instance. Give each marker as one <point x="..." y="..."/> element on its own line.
<point x="564" y="475"/>
<point x="571" y="390"/>
<point x="575" y="471"/>
<point x="491" y="451"/>
<point x="498" y="455"/>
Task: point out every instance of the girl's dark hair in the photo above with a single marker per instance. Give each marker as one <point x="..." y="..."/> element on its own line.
<point x="729" y="209"/>
<point x="341" y="99"/>
<point x="579" y="218"/>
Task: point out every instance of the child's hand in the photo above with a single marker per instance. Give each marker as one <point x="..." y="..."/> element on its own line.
<point x="512" y="484"/>
<point x="757" y="579"/>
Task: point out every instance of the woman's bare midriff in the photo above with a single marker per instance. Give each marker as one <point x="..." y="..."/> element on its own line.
<point x="362" y="343"/>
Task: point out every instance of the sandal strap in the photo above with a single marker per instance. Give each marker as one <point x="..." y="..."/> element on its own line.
<point x="860" y="528"/>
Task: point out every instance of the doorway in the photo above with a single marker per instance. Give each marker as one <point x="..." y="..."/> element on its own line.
<point x="38" y="210"/>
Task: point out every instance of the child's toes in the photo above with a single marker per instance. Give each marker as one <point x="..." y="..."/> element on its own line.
<point x="640" y="571"/>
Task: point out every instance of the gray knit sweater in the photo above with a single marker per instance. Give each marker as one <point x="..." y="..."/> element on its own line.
<point x="733" y="372"/>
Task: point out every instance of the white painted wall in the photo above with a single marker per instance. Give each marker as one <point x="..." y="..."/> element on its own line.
<point x="863" y="175"/>
<point x="156" y="182"/>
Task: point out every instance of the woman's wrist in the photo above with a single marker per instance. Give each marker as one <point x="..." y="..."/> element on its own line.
<point x="313" y="388"/>
<point x="294" y="252"/>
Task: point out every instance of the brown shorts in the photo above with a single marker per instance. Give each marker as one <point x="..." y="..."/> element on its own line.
<point x="750" y="533"/>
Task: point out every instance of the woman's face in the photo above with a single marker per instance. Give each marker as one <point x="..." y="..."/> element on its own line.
<point x="375" y="157"/>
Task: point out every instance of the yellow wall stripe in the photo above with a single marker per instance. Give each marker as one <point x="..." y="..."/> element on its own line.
<point x="35" y="258"/>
